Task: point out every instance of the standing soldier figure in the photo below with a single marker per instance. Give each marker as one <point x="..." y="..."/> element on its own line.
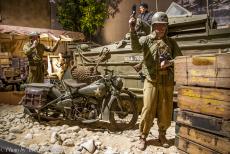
<point x="158" y="50"/>
<point x="144" y="19"/>
<point x="34" y="51"/>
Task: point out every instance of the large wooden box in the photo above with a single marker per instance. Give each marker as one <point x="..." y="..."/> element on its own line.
<point x="211" y="70"/>
<point x="209" y="101"/>
<point x="214" y="142"/>
<point x="187" y="146"/>
<point x="206" y="123"/>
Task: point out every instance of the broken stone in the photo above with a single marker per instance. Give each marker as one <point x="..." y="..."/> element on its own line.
<point x="73" y="129"/>
<point x="56" y="149"/>
<point x="17" y="129"/>
<point x="89" y="146"/>
<point x="53" y="138"/>
<point x="68" y="142"/>
<point x="11" y="136"/>
<point x="34" y="147"/>
<point x="28" y="136"/>
<point x="44" y="148"/>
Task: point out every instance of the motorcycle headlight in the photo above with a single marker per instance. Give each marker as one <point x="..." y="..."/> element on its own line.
<point x="118" y="83"/>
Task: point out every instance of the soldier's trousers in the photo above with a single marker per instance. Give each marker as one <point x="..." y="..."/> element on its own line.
<point x="36" y="74"/>
<point x="157" y="102"/>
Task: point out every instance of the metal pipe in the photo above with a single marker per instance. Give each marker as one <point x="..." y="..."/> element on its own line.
<point x="157" y="5"/>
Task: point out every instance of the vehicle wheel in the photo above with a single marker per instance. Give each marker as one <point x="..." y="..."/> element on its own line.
<point x="123" y="111"/>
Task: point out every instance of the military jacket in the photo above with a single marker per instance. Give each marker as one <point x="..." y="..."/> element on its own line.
<point x="152" y="48"/>
<point x="35" y="55"/>
<point x="147" y="17"/>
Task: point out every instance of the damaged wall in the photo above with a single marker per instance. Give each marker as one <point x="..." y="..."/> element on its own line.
<point x="29" y="13"/>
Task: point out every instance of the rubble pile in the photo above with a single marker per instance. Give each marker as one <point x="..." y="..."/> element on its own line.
<point x="55" y="138"/>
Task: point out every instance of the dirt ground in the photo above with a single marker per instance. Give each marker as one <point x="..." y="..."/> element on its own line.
<point x="74" y="138"/>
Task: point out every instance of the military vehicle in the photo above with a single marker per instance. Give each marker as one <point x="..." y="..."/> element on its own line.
<point x="195" y="34"/>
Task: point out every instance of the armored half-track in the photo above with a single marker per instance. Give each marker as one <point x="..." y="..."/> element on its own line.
<point x="195" y="34"/>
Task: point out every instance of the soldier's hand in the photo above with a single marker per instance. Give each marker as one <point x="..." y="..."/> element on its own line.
<point x="35" y="43"/>
<point x="132" y="23"/>
<point x="165" y="64"/>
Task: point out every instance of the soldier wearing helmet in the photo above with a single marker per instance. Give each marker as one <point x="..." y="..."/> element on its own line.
<point x="34" y="51"/>
<point x="158" y="52"/>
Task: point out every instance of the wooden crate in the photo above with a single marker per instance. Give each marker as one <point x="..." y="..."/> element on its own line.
<point x="11" y="97"/>
<point x="209" y="101"/>
<point x="210" y="124"/>
<point x="211" y="70"/>
<point x="214" y="142"/>
<point x="190" y="147"/>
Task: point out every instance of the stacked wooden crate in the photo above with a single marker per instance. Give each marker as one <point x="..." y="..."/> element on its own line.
<point x="203" y="120"/>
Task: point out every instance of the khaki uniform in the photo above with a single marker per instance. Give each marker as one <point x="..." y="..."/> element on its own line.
<point x="35" y="58"/>
<point x="159" y="83"/>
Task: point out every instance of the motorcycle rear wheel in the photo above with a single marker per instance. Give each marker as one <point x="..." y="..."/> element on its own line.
<point x="123" y="115"/>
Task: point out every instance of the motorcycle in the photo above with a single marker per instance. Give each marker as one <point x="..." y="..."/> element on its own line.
<point x="102" y="100"/>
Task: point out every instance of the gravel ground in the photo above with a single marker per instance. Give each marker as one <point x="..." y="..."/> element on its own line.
<point x="75" y="138"/>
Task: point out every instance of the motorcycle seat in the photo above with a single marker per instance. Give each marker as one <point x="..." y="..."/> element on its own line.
<point x="73" y="83"/>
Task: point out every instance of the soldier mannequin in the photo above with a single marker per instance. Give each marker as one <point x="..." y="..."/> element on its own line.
<point x="143" y="20"/>
<point x="159" y="82"/>
<point x="34" y="51"/>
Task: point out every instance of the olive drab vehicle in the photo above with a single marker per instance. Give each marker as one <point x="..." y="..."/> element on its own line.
<point x="105" y="99"/>
<point x="195" y="34"/>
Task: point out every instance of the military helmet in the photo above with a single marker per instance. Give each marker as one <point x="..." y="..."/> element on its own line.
<point x="34" y="34"/>
<point x="160" y="17"/>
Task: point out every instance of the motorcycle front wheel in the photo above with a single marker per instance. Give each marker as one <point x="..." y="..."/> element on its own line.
<point x="123" y="111"/>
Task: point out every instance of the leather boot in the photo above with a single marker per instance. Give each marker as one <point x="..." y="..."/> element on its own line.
<point x="163" y="140"/>
<point x="142" y="144"/>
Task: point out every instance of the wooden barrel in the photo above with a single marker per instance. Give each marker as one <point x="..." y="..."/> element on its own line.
<point x="209" y="70"/>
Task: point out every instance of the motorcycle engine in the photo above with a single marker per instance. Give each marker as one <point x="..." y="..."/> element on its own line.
<point x="84" y="109"/>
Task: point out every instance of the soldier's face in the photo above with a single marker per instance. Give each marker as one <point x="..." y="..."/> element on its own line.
<point x="33" y="38"/>
<point x="142" y="9"/>
<point x="160" y="29"/>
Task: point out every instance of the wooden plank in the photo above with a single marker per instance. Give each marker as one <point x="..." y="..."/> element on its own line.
<point x="205" y="106"/>
<point x="202" y="81"/>
<point x="204" y="72"/>
<point x="210" y="101"/>
<point x="214" y="142"/>
<point x="210" y="124"/>
<point x="209" y="93"/>
<point x="211" y="70"/>
<point x="192" y="147"/>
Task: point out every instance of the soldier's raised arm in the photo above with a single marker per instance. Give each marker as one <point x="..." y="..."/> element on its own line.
<point x="52" y="49"/>
<point x="136" y="43"/>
